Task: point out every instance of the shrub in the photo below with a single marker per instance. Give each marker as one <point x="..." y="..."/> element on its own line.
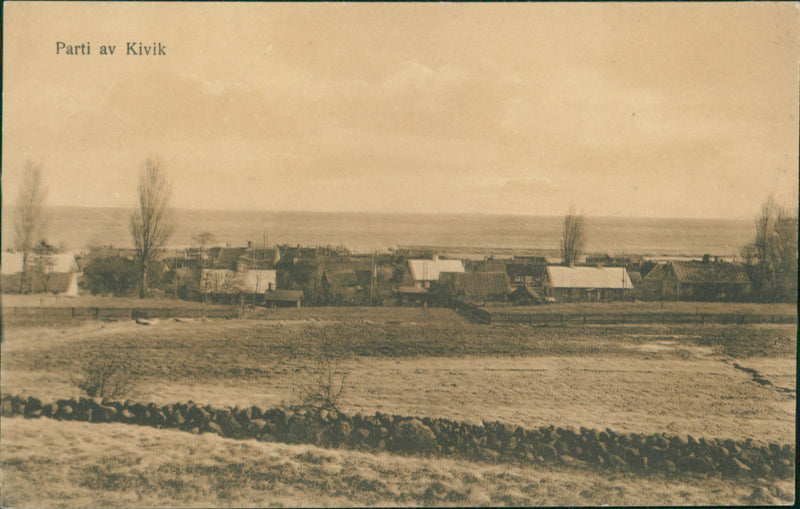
<point x="104" y="378"/>
<point x="323" y="390"/>
<point x="114" y="275"/>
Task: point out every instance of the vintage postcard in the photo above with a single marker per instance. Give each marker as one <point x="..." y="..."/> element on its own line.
<point x="399" y="254"/>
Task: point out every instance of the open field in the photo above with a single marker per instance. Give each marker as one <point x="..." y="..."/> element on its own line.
<point x="427" y="362"/>
<point x="105" y="465"/>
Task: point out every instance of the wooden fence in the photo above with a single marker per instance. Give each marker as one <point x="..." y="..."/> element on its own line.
<point x="634" y="318"/>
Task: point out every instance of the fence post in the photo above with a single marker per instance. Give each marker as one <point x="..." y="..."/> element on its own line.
<point x="97" y="313"/>
<point x="562" y="319"/>
<point x="584" y="318"/>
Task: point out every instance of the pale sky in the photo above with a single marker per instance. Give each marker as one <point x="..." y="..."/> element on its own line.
<point x="675" y="110"/>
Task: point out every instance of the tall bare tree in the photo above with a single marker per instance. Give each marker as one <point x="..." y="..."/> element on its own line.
<point x="29" y="219"/>
<point x="573" y="237"/>
<point x="775" y="252"/>
<point x="150" y="224"/>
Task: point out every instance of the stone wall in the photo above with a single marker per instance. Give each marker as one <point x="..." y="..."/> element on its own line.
<point x="494" y="442"/>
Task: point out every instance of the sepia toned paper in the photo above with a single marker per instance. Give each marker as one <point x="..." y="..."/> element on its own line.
<point x="395" y="142"/>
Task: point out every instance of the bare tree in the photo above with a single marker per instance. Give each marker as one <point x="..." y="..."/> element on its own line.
<point x="774" y="251"/>
<point x="150" y="225"/>
<point x="29" y="219"/>
<point x="573" y="237"/>
<point x="203" y="239"/>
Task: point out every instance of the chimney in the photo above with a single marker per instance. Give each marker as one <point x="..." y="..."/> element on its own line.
<point x="706" y="258"/>
<point x="249" y="244"/>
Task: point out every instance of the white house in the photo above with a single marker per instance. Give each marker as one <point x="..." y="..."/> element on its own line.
<point x="58" y="274"/>
<point x="230" y="281"/>
<point x="420" y="273"/>
<point x="569" y="284"/>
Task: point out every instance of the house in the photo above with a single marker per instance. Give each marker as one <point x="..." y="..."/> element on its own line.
<point x="579" y="284"/>
<point x="283" y="298"/>
<point x="421" y="273"/>
<point x="340" y="282"/>
<point x="475" y="287"/>
<point x="55" y="273"/>
<point x="705" y="280"/>
<point x="229" y="282"/>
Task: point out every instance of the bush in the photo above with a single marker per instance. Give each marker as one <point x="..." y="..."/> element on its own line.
<point x="114" y="275"/>
<point x="326" y="385"/>
<point x="104" y="378"/>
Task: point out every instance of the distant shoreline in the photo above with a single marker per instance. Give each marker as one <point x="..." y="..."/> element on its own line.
<point x="77" y="228"/>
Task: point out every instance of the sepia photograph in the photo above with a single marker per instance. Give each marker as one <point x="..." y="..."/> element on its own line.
<point x="399" y="254"/>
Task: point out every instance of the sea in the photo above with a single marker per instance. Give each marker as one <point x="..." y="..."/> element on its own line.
<point x="77" y="228"/>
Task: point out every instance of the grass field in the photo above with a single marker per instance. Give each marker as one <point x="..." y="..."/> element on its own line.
<point x="429" y="362"/>
<point x="68" y="464"/>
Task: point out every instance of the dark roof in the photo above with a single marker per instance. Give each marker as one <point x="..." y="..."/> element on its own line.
<point x="477" y="285"/>
<point x="636" y="277"/>
<point x="709" y="272"/>
<point x="226" y="257"/>
<point x="58" y="282"/>
<point x="284" y="296"/>
<point x="534" y="270"/>
<point x="494" y="265"/>
<point x="526" y="292"/>
<point x="657" y="273"/>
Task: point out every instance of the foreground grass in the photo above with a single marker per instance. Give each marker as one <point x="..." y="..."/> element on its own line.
<point x="68" y="464"/>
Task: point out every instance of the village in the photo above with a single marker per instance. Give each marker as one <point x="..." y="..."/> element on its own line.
<point x="294" y="276"/>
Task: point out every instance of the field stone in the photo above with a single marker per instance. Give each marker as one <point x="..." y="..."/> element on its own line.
<point x="413" y="436"/>
<point x="570" y="461"/>
<point x="214" y="427"/>
<point x="7" y="408"/>
<point x="257" y="425"/>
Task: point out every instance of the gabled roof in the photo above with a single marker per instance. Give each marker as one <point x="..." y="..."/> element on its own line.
<point x="588" y="277"/>
<point x="429" y="270"/>
<point x="226" y="257"/>
<point x="477" y="285"/>
<point x="343" y="279"/>
<point x="656" y="273"/>
<point x="709" y="272"/>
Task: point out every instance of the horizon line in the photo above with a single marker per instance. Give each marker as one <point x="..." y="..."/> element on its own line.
<point x="394" y="213"/>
